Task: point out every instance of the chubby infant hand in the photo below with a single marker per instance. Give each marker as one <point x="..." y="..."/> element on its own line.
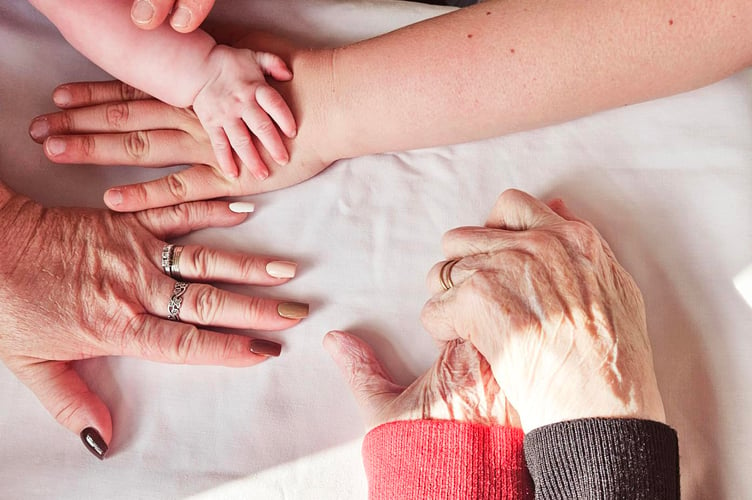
<point x="236" y="100"/>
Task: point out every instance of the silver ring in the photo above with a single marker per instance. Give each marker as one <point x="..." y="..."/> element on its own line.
<point x="173" y="307"/>
<point x="167" y="253"/>
<point x="171" y="261"/>
<point x="445" y="274"/>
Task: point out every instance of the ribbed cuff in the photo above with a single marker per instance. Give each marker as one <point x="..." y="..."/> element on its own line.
<point x="442" y="459"/>
<point x="603" y="458"/>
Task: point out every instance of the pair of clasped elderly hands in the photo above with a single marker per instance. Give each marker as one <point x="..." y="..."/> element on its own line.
<point x="539" y="313"/>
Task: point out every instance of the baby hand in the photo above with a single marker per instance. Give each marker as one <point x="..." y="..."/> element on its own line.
<point x="237" y="98"/>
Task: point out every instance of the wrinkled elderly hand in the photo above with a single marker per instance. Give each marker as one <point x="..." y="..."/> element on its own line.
<point x="539" y="293"/>
<point x="459" y="386"/>
<point x="185" y="15"/>
<point x="82" y="283"/>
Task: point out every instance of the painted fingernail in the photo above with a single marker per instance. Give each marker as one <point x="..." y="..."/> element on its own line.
<point x="142" y="12"/>
<point x="39" y="128"/>
<point x="281" y="269"/>
<point x="94" y="442"/>
<point x="242" y="207"/>
<point x="181" y="18"/>
<point x="113" y="197"/>
<point x="54" y="146"/>
<point x="292" y="310"/>
<point x="62" y="97"/>
<point x="265" y="347"/>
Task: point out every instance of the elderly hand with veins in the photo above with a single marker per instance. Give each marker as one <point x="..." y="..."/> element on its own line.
<point x="459" y="386"/>
<point x="82" y="283"/>
<point x="540" y="294"/>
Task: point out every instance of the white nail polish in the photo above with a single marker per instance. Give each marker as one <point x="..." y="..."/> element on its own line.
<point x="242" y="207"/>
<point x="281" y="269"/>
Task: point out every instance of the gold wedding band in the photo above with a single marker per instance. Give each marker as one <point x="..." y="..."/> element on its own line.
<point x="445" y="274"/>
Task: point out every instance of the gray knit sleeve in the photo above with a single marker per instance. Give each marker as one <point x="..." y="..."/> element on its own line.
<point x="604" y="458"/>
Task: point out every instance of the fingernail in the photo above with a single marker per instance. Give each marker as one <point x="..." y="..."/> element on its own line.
<point x="62" y="97"/>
<point x="181" y="18"/>
<point x="113" y="197"/>
<point x="39" y="128"/>
<point x="54" y="146"/>
<point x="265" y="347"/>
<point x="284" y="160"/>
<point x="142" y="12"/>
<point x="242" y="207"/>
<point x="292" y="310"/>
<point x="261" y="175"/>
<point x="282" y="269"/>
<point x="94" y="442"/>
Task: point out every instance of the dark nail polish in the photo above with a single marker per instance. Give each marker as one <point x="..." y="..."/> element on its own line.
<point x="94" y="442"/>
<point x="265" y="347"/>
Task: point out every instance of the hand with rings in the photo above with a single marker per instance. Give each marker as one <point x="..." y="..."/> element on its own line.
<point x="540" y="294"/>
<point x="83" y="283"/>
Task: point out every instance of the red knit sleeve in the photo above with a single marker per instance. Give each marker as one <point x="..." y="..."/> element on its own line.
<point x="444" y="459"/>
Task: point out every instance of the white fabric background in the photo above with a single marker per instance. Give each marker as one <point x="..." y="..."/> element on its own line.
<point x="667" y="182"/>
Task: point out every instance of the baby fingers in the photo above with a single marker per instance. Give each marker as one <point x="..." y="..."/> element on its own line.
<point x="222" y="150"/>
<point x="242" y="143"/>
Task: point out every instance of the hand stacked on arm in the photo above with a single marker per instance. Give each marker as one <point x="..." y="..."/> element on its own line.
<point x="450" y="434"/>
<point x="562" y="325"/>
<point x="236" y="99"/>
<point x="225" y="85"/>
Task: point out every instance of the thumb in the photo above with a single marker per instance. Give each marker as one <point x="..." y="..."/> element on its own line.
<point x="372" y="387"/>
<point x="66" y="396"/>
<point x="273" y="65"/>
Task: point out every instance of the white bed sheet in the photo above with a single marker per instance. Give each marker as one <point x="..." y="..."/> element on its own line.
<point x="667" y="182"/>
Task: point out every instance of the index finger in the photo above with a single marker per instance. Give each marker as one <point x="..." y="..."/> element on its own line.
<point x="78" y="94"/>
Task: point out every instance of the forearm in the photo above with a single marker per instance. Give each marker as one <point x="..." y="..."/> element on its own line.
<point x="166" y="64"/>
<point x="510" y="65"/>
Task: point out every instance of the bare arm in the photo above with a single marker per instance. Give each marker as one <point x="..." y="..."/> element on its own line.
<point x="496" y="68"/>
<point x="166" y="64"/>
<point x="509" y="65"/>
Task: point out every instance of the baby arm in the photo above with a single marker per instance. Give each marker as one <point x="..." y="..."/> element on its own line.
<point x="226" y="86"/>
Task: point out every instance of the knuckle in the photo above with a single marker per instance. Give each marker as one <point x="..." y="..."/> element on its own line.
<point x="127" y="93"/>
<point x="66" y="412"/>
<point x="187" y="343"/>
<point x="66" y="121"/>
<point x="86" y="145"/>
<point x="207" y="305"/>
<point x="248" y="267"/>
<point x="242" y="143"/>
<point x="117" y="115"/>
<point x="263" y="128"/>
<point x="585" y="237"/>
<point x="254" y="312"/>
<point x="180" y="213"/>
<point x="220" y="145"/>
<point x="176" y="186"/>
<point x="136" y="144"/>
<point x="203" y="262"/>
